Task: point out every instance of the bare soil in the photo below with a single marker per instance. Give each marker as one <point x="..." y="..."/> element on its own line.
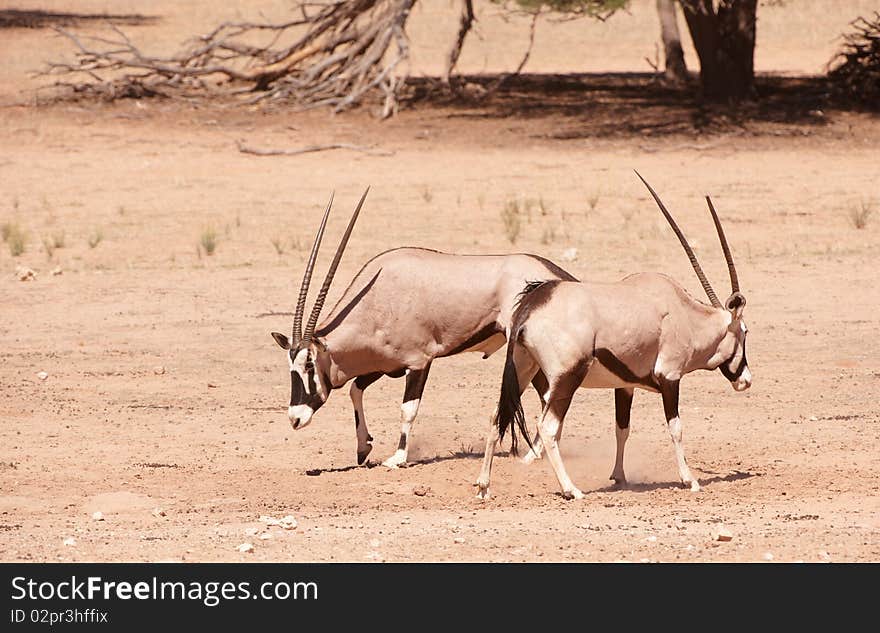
<point x="164" y="389"/>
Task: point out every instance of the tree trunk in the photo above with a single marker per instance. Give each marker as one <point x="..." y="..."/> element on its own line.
<point x="725" y="43"/>
<point x="676" y="69"/>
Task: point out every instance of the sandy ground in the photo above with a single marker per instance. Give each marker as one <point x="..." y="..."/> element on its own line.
<point x="790" y="467"/>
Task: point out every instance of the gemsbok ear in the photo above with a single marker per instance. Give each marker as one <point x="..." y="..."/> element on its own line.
<point x="282" y="340"/>
<point x="735" y="303"/>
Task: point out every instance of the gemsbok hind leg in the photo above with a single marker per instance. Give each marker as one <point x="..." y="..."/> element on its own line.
<point x="412" y="396"/>
<point x="669" y="391"/>
<point x="539" y="382"/>
<point x="525" y="372"/>
<point x="623" y="399"/>
<point x="550" y="426"/>
<point x="360" y="419"/>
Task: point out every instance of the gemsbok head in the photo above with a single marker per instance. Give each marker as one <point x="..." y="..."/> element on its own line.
<point x="307" y="354"/>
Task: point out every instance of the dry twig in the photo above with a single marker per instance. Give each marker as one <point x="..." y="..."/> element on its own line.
<point x="255" y="151"/>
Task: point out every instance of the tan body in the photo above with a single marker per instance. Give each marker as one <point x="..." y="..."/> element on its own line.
<point x="646" y="321"/>
<point x="642" y="332"/>
<point x="403" y="309"/>
<point x="422" y="304"/>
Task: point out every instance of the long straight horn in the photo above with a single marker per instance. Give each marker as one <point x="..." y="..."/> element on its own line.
<point x="731" y="268"/>
<point x="687" y="249"/>
<point x="307" y="277"/>
<point x="322" y="295"/>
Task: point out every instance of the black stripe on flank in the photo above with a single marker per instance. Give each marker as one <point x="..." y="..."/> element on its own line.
<point x="401" y="443"/>
<point x="483" y="334"/>
<point x="357" y="419"/>
<point x="613" y="364"/>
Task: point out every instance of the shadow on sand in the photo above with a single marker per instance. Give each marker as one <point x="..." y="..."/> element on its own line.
<point x="38" y="19"/>
<point x="735" y="475"/>
<point x="611" y="105"/>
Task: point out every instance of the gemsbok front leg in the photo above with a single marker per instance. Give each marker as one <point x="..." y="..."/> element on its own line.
<point x="623" y="399"/>
<point x="669" y="391"/>
<point x="360" y="419"/>
<point x="412" y="396"/>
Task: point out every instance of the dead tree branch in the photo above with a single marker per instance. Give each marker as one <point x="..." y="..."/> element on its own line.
<point x="255" y="151"/>
<point x="466" y="21"/>
<point x="503" y="78"/>
<point x="333" y="55"/>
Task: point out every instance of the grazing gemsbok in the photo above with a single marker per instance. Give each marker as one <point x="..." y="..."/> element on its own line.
<point x="643" y="332"/>
<point x="405" y="307"/>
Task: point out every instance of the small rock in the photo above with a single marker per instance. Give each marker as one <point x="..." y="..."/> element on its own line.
<point x="158" y="370"/>
<point x="768" y="556"/>
<point x="722" y="534"/>
<point x="813" y="418"/>
<point x="158" y="512"/>
<point x="288" y="522"/>
<point x="245" y="548"/>
<point x="70" y="541"/>
<point x="98" y="516"/>
<point x="458" y="539"/>
<point x="421" y="491"/>
<point x="42" y="375"/>
<point x="375" y="543"/>
<point x="569" y="254"/>
<point x="212" y="385"/>
<point x="651" y="539"/>
<point x="824" y="555"/>
<point x="252" y="531"/>
<point x="23" y="273"/>
<point x="265" y="536"/>
<point x="57" y="271"/>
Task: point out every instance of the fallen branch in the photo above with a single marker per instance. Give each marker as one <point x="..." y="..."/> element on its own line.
<point x="255" y="151"/>
<point x="337" y="52"/>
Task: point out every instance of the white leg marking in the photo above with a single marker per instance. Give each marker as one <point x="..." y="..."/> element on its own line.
<point x="549" y="428"/>
<point x="618" y="475"/>
<point x="537" y="450"/>
<point x="408" y="411"/>
<point x="488" y="454"/>
<point x="683" y="471"/>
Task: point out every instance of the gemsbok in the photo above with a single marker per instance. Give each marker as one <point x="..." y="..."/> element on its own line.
<point x="642" y="332"/>
<point x="405" y="308"/>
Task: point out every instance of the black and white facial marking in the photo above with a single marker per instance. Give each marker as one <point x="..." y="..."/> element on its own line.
<point x="308" y="388"/>
<point x="735" y="367"/>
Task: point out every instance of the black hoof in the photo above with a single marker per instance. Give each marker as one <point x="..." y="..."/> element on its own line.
<point x="362" y="457"/>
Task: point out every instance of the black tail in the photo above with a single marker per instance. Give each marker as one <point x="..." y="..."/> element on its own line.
<point x="510" y="403"/>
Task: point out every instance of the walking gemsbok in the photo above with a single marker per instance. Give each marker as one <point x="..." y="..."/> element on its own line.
<point x="405" y="308"/>
<point x="644" y="331"/>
